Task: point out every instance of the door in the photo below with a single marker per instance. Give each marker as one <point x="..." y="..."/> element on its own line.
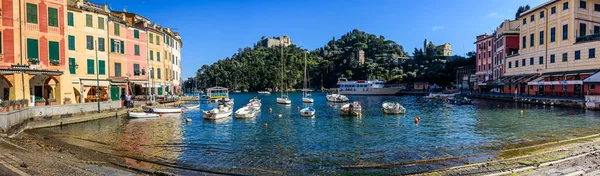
<point x="540" y="90"/>
<point x="577" y="90"/>
<point x="38" y="92"/>
<point x="114" y="93"/>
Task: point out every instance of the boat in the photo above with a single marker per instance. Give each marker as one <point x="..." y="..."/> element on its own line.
<point x="284" y="100"/>
<point x="336" y="98"/>
<point x="237" y="91"/>
<point x="218" y="113"/>
<point x="226" y="101"/>
<point x="351" y="109"/>
<point x="393" y="108"/>
<point x="217" y="93"/>
<point x="163" y="110"/>
<point x="142" y="115"/>
<point x="264" y="92"/>
<point x="459" y="101"/>
<point x="246" y="112"/>
<point x="191" y="107"/>
<point x="366" y="87"/>
<point x="307" y="112"/>
<point x="432" y="96"/>
<point x="305" y="95"/>
<point x="255" y="103"/>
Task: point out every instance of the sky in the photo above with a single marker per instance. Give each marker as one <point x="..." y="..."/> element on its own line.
<point x="215" y="29"/>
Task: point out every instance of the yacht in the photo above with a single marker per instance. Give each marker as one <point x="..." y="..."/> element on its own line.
<point x="366" y="87"/>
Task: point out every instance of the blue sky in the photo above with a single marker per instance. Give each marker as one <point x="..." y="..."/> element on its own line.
<point x="213" y="30"/>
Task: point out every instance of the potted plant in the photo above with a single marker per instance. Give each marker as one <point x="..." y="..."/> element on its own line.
<point x="52" y="101"/>
<point x="34" y="60"/>
<point x="55" y="62"/>
<point x="40" y="102"/>
<point x="11" y="105"/>
<point x="4" y="106"/>
<point x="67" y="100"/>
<point x="24" y="103"/>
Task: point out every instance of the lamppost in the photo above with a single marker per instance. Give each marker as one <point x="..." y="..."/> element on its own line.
<point x="97" y="74"/>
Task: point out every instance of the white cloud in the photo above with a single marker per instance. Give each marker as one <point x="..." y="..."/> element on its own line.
<point x="493" y="14"/>
<point x="437" y="28"/>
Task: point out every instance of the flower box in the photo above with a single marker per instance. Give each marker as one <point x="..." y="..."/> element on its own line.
<point x="34" y="60"/>
<point x="55" y="62"/>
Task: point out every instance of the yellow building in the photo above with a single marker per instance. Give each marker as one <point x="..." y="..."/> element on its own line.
<point x="558" y="36"/>
<point x="156" y="59"/>
<point x="87" y="50"/>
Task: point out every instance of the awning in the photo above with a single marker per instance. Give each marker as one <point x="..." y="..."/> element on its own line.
<point x="592" y="79"/>
<point x="94" y="83"/>
<point x="118" y="84"/>
<point x="572" y="82"/>
<point x="139" y="82"/>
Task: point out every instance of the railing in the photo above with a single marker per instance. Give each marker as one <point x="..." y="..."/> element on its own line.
<point x="32" y="27"/>
<point x="53" y="30"/>
<point x="512" y="53"/>
<point x="587" y="38"/>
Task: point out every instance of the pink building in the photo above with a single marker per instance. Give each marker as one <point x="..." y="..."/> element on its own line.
<point x="484" y="58"/>
<point x="136" y="59"/>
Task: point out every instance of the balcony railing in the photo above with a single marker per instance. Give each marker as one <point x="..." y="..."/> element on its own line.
<point x="587" y="38"/>
<point x="53" y="30"/>
<point x="32" y="27"/>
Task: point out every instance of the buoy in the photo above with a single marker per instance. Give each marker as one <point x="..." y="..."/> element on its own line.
<point x="522" y="112"/>
<point x="159" y="115"/>
<point x="280" y="115"/>
<point x="188" y="120"/>
<point x="417" y="120"/>
<point x="271" y="110"/>
<point x="266" y="125"/>
<point x="182" y="111"/>
<point x="498" y="106"/>
<point x="298" y="107"/>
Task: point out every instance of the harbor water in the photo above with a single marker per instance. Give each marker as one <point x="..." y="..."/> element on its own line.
<point x="281" y="142"/>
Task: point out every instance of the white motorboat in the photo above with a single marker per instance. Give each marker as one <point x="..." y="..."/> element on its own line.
<point x="336" y="98"/>
<point x="246" y="112"/>
<point x="237" y="91"/>
<point x="351" y="109"/>
<point x="163" y="110"/>
<point x="142" y="115"/>
<point x="284" y="100"/>
<point x="393" y="108"/>
<point x="366" y="87"/>
<point x="308" y="100"/>
<point x="264" y="92"/>
<point x="218" y="113"/>
<point x="191" y="107"/>
<point x="432" y="96"/>
<point x="255" y="103"/>
<point x="307" y="112"/>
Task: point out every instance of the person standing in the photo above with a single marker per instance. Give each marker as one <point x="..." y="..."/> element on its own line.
<point x="128" y="101"/>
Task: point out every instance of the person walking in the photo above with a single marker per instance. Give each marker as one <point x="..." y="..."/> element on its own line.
<point x="128" y="101"/>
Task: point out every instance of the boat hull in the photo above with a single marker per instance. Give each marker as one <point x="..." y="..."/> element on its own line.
<point x="166" y="110"/>
<point x="216" y="116"/>
<point x="284" y="101"/>
<point x="308" y="100"/>
<point x="307" y="112"/>
<point x="336" y="98"/>
<point x="142" y="115"/>
<point x="371" y="91"/>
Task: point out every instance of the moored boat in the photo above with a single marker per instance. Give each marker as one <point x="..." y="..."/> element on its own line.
<point x="191" y="107"/>
<point x="246" y="112"/>
<point x="336" y="98"/>
<point x="459" y="101"/>
<point x="162" y="110"/>
<point x="366" y="87"/>
<point x="142" y="115"/>
<point x="255" y="103"/>
<point x="264" y="92"/>
<point x="393" y="108"/>
<point x="307" y="112"/>
<point x="217" y="113"/>
<point x="351" y="109"/>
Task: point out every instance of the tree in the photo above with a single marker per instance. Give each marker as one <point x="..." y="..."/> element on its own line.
<point x="521" y="10"/>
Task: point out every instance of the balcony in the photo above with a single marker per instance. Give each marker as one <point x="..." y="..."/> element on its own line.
<point x="512" y="53"/>
<point x="32" y="27"/>
<point x="588" y="38"/>
<point x="53" y="30"/>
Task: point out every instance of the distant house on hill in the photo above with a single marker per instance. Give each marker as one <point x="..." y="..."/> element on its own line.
<point x="276" y="41"/>
<point x="441" y="50"/>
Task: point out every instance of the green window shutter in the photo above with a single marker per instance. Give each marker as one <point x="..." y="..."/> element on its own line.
<point x="158" y="73"/>
<point x="101" y="67"/>
<point x="117" y="29"/>
<point x="112" y="45"/>
<point x="71" y="42"/>
<point x="70" y="19"/>
<point x="101" y="44"/>
<point x="114" y="93"/>
<point x="52" y="17"/>
<point x="117" y="69"/>
<point x="160" y="91"/>
<point x="100" y="23"/>
<point x="90" y="66"/>
<point x="88" y="20"/>
<point x="72" y="64"/>
<point x="137" y="49"/>
<point x="54" y="50"/>
<point x="32" y="49"/>
<point x="151" y="38"/>
<point x="32" y="13"/>
<point x="157" y="56"/>
<point x="122" y="47"/>
<point x="151" y="55"/>
<point x="136" y="34"/>
<point x="157" y="40"/>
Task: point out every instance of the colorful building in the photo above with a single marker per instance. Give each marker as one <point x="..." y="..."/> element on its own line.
<point x="87" y="52"/>
<point x="484" y="58"/>
<point x="156" y="61"/>
<point x="172" y="48"/>
<point x="136" y="54"/>
<point x="506" y="43"/>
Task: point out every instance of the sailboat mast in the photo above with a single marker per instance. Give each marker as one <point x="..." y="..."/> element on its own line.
<point x="282" y="66"/>
<point x="305" y="78"/>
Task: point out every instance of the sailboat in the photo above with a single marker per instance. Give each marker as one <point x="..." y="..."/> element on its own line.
<point x="305" y="95"/>
<point x="284" y="99"/>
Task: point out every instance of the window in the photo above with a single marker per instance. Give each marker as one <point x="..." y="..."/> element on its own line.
<point x="517" y="64"/>
<point x="564" y="57"/>
<point x="582" y="4"/>
<point x="531" y="61"/>
<point x="54" y="52"/>
<point x="136" y="34"/>
<point x="136" y="69"/>
<point x="524" y="41"/>
<point x="32" y="15"/>
<point x="531" y="41"/>
<point x="597" y="7"/>
<point x="484" y="55"/>
<point x="70" y="20"/>
<point x="552" y="58"/>
<point x="89" y="42"/>
<point x="117" y="29"/>
<point x="52" y="17"/>
<point x="101" y="44"/>
<point x="151" y="55"/>
<point x="122" y="47"/>
<point x="158" y="56"/>
<point x="157" y="40"/>
<point x="552" y="34"/>
<point x="565" y="32"/>
<point x="577" y="55"/>
<point x="117" y="69"/>
<point x="532" y="18"/>
<point x="136" y="49"/>
<point x="71" y="43"/>
<point x="553" y="10"/>
<point x="117" y="46"/>
<point x="72" y="66"/>
<point x="88" y="20"/>
<point x="158" y="73"/>
<point x="592" y="53"/>
<point x="101" y="67"/>
<point x="151" y="38"/>
<point x="596" y="29"/>
<point x="523" y="62"/>
<point x="100" y="23"/>
<point x="32" y="49"/>
<point x="90" y="66"/>
<point x="542" y="14"/>
<point x="541" y="37"/>
<point x="565" y="5"/>
<point x="582" y="29"/>
<point x="592" y="86"/>
<point x="541" y="61"/>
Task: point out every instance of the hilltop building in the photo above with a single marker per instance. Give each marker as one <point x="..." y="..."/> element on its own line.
<point x="439" y="50"/>
<point x="276" y="41"/>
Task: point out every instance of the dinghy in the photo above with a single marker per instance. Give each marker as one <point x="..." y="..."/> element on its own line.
<point x="163" y="110"/>
<point x="246" y="112"/>
<point x="393" y="108"/>
<point x="218" y="113"/>
<point x="142" y="115"/>
<point x="351" y="109"/>
<point x="307" y="112"/>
